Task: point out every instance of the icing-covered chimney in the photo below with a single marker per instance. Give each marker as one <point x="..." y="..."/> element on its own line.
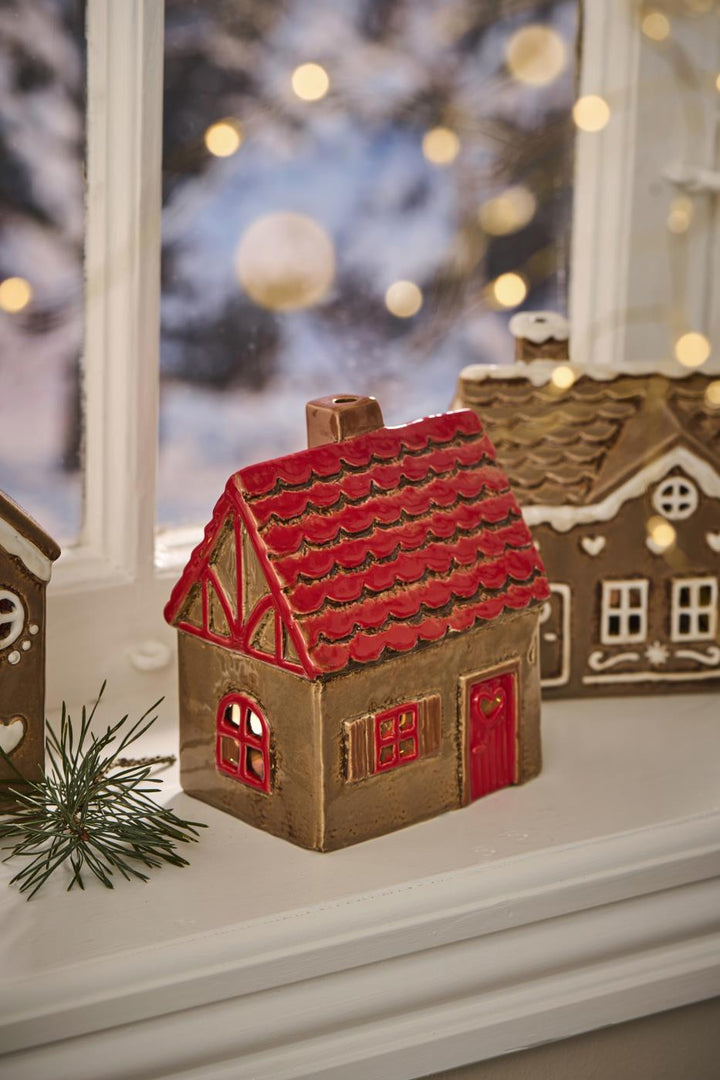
<point x="540" y="335"/>
<point x="331" y="419"/>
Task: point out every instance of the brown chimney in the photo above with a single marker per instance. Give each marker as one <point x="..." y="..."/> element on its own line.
<point x="540" y="335"/>
<point x="332" y="419"/>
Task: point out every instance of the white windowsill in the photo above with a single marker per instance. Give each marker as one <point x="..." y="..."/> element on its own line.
<point x="587" y="897"/>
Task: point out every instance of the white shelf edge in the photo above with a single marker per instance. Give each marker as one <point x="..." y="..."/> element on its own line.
<point x="642" y="897"/>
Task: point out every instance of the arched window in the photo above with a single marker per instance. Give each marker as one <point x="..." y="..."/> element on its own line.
<point x="243" y="742"/>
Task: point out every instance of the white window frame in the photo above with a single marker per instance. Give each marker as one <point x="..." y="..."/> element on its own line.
<point x="695" y="609"/>
<point x="623" y="611"/>
<point x="105" y="601"/>
<point x="667" y="491"/>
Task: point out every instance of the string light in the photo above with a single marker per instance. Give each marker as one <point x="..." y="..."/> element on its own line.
<point x="15" y="294"/>
<point x="535" y="55"/>
<point x="310" y="82"/>
<point x="223" y="139"/>
<point x="403" y="299"/>
<point x="440" y="146"/>
<point x="717" y="83"/>
<point x="285" y="261"/>
<point x="591" y="113"/>
<point x="680" y="214"/>
<point x="661" y="532"/>
<point x="712" y="394"/>
<point x="563" y="377"/>
<point x="509" y="290"/>
<point x="655" y="25"/>
<point x="507" y="212"/>
<point x="692" y="349"/>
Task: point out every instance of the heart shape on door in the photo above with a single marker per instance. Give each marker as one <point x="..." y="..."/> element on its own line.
<point x="12" y="733"/>
<point x="491" y="705"/>
<point x="713" y="541"/>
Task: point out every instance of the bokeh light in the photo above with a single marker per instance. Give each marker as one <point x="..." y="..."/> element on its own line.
<point x="717" y="83"/>
<point x="285" y="261"/>
<point x="15" y="294"/>
<point x="692" y="349"/>
<point x="535" y="55"/>
<point x="563" y="377"/>
<point x="591" y="113"/>
<point x="440" y="145"/>
<point x="680" y="214"/>
<point x="661" y="532"/>
<point x="223" y="139"/>
<point x="403" y="299"/>
<point x="712" y="395"/>
<point x="507" y="212"/>
<point x="310" y="82"/>
<point x="509" y="290"/>
<point x="655" y="25"/>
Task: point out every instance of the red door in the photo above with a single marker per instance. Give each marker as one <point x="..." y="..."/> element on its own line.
<point x="491" y="734"/>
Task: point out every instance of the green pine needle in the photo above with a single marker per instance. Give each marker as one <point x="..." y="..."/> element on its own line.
<point x="94" y="809"/>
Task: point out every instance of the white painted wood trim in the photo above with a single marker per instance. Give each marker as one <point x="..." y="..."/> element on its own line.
<point x="604" y="167"/>
<point x="122" y="292"/>
<point x="445" y="971"/>
<point x="102" y="599"/>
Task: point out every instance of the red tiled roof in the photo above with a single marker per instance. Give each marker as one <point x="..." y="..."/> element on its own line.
<point x="389" y="539"/>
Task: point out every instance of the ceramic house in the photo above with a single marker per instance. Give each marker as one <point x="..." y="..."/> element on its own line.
<point x="26" y="557"/>
<point x="358" y="629"/>
<point x="618" y="474"/>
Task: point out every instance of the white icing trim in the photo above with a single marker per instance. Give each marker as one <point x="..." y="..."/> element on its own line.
<point x="30" y="555"/>
<point x="712" y="539"/>
<point x="540" y="372"/>
<point x="539" y="326"/>
<point x="711" y="657"/>
<point x="563" y="518"/>
<point x="652" y="676"/>
<point x="592" y="545"/>
<point x="564" y="592"/>
<point x="598" y="663"/>
<point x="694" y="609"/>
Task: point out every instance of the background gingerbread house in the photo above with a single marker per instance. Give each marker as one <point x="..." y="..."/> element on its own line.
<point x="26" y="557"/>
<point x="618" y="472"/>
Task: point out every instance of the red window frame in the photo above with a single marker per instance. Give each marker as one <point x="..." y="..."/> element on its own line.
<point x="396" y="737"/>
<point x="247" y="744"/>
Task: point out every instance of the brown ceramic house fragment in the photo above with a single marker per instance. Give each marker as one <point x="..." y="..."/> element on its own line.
<point x="358" y="631"/>
<point x="618" y="474"/>
<point x="26" y="557"/>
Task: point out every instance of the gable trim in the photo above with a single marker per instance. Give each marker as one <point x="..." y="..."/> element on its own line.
<point x="29" y="555"/>
<point x="564" y="518"/>
<point x="278" y="597"/>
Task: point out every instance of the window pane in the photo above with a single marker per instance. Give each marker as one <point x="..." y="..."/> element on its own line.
<point x="345" y="186"/>
<point x="42" y="144"/>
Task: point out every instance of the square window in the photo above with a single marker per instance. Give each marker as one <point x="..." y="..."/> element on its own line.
<point x="407" y="748"/>
<point x="396" y="737"/>
<point x="387" y="728"/>
<point x="406" y="721"/>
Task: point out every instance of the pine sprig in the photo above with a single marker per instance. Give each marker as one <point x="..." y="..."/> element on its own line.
<point x="94" y="808"/>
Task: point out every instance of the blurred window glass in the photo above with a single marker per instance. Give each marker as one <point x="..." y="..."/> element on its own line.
<point x="356" y="198"/>
<point x="42" y="149"/>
